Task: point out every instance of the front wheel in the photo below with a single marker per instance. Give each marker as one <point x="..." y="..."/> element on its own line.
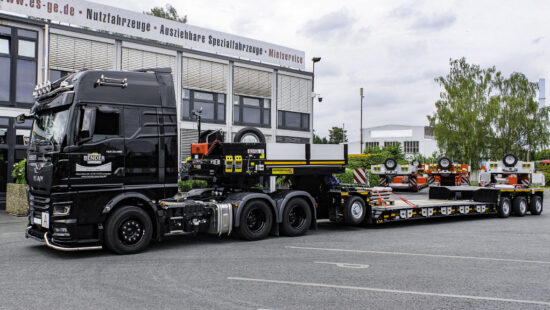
<point x="504" y="208"/>
<point x="128" y="230"/>
<point x="536" y="205"/>
<point x="255" y="221"/>
<point x="296" y="218"/>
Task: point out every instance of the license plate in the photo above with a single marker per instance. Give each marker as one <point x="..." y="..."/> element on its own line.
<point x="45" y="219"/>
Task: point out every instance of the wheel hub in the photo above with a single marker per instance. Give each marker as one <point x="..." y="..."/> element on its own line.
<point x="131" y="231"/>
<point x="356" y="210"/>
<point x="296" y="217"/>
<point x="255" y="220"/>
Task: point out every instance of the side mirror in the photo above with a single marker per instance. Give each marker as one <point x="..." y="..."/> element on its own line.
<point x="88" y="121"/>
<point x="21" y="118"/>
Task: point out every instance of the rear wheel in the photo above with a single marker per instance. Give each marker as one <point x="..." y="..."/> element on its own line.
<point x="255" y="221"/>
<point x="504" y="208"/>
<point x="296" y="218"/>
<point x="355" y="210"/>
<point x="520" y="206"/>
<point x="536" y="205"/>
<point x="128" y="230"/>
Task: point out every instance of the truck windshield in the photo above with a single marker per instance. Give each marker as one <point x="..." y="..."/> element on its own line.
<point x="49" y="127"/>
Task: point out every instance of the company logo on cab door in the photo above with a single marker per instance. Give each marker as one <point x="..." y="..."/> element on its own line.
<point x="94" y="159"/>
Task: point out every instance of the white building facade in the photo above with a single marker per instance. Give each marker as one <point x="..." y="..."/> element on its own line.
<point x="413" y="139"/>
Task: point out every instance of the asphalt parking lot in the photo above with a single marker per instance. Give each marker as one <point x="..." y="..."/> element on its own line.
<point x="480" y="262"/>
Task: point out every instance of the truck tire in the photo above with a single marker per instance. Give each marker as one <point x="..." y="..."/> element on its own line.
<point x="444" y="162"/>
<point x="296" y="218"/>
<point x="504" y="208"/>
<point x="128" y="230"/>
<point x="212" y="135"/>
<point x="355" y="210"/>
<point x="256" y="220"/>
<point x="510" y="160"/>
<point x="536" y="205"/>
<point x="390" y="163"/>
<point x="519" y="206"/>
<point x="249" y="135"/>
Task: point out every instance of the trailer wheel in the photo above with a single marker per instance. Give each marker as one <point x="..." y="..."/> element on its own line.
<point x="504" y="208"/>
<point x="256" y="220"/>
<point x="249" y="135"/>
<point x="355" y="210"/>
<point x="536" y="205"/>
<point x="296" y="218"/>
<point x="510" y="160"/>
<point x="128" y="230"/>
<point x="519" y="206"/>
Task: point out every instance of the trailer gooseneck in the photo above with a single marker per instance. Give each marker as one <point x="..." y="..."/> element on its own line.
<point x="103" y="158"/>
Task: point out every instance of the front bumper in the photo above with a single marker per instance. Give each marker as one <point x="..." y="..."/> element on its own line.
<point x="33" y="234"/>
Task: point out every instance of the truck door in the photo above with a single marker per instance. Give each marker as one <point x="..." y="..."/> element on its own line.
<point x="98" y="158"/>
<point x="142" y="146"/>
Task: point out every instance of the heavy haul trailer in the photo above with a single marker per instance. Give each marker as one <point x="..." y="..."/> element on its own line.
<point x="445" y="173"/>
<point x="452" y="201"/>
<point x="400" y="177"/>
<point x="103" y="155"/>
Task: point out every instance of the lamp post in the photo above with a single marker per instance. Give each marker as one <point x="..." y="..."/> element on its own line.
<point x="361" y="123"/>
<point x="313" y="60"/>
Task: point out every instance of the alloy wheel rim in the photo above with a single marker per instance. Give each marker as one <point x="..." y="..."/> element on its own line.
<point x="131" y="231"/>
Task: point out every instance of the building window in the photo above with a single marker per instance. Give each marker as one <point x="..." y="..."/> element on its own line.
<point x="251" y="111"/>
<point x="410" y="147"/>
<point x="212" y="105"/>
<point x="292" y="120"/>
<point x="18" y="51"/>
<point x="372" y="145"/>
<point x="391" y="143"/>
<point x="428" y="131"/>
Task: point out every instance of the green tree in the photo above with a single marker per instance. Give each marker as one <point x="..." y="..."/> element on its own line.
<point x="168" y="12"/>
<point x="337" y="135"/>
<point x="319" y="140"/>
<point x="482" y="114"/>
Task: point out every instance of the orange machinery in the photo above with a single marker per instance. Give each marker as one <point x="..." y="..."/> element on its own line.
<point x="445" y="173"/>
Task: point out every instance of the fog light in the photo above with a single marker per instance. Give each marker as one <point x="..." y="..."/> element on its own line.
<point x="60" y="230"/>
<point x="61" y="210"/>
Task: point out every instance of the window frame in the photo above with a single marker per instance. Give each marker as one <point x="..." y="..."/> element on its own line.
<point x="14" y="56"/>
<point x="262" y="108"/>
<point x="281" y="121"/>
<point x="215" y="102"/>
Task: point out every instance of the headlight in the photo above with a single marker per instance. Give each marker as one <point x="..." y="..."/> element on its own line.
<point x="61" y="210"/>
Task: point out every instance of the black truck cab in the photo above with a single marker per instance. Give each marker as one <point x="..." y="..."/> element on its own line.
<point x="100" y="140"/>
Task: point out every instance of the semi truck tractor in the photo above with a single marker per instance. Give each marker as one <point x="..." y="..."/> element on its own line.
<point x="102" y="171"/>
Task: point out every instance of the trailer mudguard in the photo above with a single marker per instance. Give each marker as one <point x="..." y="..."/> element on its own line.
<point x="281" y="198"/>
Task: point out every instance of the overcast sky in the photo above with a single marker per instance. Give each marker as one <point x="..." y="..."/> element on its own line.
<point x="393" y="49"/>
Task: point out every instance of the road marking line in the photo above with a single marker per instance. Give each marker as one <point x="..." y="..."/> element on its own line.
<point x="12" y="233"/>
<point x="420" y="254"/>
<point x="346" y="265"/>
<point x="383" y="290"/>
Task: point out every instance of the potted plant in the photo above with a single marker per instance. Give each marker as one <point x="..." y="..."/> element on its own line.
<point x="16" y="195"/>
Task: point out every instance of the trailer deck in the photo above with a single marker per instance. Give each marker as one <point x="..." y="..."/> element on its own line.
<point x="422" y="209"/>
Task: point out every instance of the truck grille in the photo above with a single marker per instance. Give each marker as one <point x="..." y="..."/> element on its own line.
<point x="39" y="202"/>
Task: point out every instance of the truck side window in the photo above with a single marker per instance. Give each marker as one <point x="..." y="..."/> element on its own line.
<point x="107" y="125"/>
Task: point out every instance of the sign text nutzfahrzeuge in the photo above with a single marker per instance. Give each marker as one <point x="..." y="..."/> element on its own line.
<point x="115" y="20"/>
